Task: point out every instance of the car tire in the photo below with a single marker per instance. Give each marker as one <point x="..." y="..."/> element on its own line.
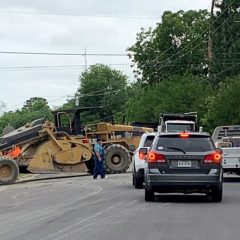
<point x="149" y="195"/>
<point x="133" y="178"/>
<point x="217" y="194"/>
<point x="138" y="182"/>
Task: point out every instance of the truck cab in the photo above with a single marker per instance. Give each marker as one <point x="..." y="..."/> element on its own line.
<point x="180" y="122"/>
<point x="179" y="126"/>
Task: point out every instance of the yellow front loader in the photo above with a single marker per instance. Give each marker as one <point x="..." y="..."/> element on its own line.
<point x="42" y="147"/>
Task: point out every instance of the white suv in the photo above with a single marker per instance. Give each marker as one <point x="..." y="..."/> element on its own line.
<point x="138" y="161"/>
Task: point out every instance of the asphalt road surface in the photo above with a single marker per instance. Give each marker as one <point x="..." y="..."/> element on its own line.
<point x="110" y="209"/>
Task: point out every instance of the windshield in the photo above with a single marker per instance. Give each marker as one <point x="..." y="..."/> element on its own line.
<point x="176" y="127"/>
<point x="190" y="144"/>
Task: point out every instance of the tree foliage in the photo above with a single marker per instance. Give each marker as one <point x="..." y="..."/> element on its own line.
<point x="180" y="94"/>
<point x="223" y="107"/>
<point x="172" y="65"/>
<point x="104" y="90"/>
<point x="177" y="44"/>
<point x="33" y="109"/>
<point x="226" y="40"/>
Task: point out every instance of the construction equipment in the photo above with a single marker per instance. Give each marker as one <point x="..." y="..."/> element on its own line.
<point x="119" y="142"/>
<point x="45" y="147"/>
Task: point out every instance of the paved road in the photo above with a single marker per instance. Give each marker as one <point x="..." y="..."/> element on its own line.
<point x="110" y="209"/>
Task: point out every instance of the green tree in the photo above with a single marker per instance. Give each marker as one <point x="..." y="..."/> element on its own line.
<point x="33" y="109"/>
<point x="177" y="45"/>
<point x="223" y="107"/>
<point x="180" y="94"/>
<point x="35" y="103"/>
<point x="104" y="90"/>
<point x="226" y="40"/>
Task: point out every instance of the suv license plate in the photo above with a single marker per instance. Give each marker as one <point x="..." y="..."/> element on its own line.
<point x="184" y="164"/>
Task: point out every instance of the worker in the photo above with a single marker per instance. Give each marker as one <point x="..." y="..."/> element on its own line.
<point x="98" y="160"/>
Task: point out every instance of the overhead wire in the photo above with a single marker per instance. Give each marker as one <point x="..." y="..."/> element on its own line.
<point x="225" y="70"/>
<point x="56" y="67"/>
<point x="79" y="15"/>
<point x="169" y="58"/>
<point x="64" y="53"/>
<point x="167" y="50"/>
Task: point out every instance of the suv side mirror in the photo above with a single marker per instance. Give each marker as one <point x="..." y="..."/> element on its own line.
<point x="143" y="151"/>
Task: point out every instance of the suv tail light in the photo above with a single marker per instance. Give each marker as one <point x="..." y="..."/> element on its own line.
<point x="213" y="158"/>
<point x="155" y="157"/>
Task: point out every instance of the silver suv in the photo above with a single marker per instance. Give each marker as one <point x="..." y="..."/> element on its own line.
<point x="185" y="163"/>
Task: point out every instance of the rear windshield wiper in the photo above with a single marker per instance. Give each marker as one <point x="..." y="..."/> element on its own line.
<point x="178" y="149"/>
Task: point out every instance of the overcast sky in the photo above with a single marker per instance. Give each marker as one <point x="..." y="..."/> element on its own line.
<point x="100" y="26"/>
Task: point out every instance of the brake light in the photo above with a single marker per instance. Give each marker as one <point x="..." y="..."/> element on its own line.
<point x="213" y="158"/>
<point x="141" y="155"/>
<point x="155" y="157"/>
<point x="184" y="135"/>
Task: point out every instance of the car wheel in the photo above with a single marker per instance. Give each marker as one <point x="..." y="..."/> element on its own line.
<point x="149" y="195"/>
<point x="216" y="194"/>
<point x="138" y="182"/>
<point x="133" y="178"/>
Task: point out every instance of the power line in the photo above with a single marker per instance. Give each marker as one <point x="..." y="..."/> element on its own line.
<point x="56" y="67"/>
<point x="80" y="15"/>
<point x="166" y="51"/>
<point x="225" y="70"/>
<point x="169" y="58"/>
<point x="65" y="54"/>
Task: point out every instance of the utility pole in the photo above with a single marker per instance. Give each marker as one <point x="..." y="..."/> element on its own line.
<point x="76" y="100"/>
<point x="85" y="58"/>
<point x="210" y="43"/>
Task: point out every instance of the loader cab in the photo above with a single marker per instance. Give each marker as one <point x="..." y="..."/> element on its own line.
<point x="63" y="123"/>
<point x="69" y="121"/>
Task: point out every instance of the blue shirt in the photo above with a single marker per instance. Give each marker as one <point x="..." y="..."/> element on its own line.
<point x="98" y="148"/>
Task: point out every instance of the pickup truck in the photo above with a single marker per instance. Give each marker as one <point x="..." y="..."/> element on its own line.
<point x="228" y="139"/>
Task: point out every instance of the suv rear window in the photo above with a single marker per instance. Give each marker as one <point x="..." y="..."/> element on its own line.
<point x="190" y="144"/>
<point x="148" y="142"/>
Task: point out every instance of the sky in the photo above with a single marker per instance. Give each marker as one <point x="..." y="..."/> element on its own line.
<point x="73" y="26"/>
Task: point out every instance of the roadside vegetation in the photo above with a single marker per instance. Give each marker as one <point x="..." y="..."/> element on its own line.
<point x="176" y="70"/>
